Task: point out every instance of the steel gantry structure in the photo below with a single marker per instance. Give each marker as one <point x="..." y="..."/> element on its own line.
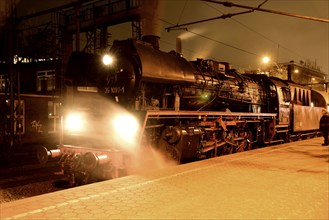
<point x="50" y="36"/>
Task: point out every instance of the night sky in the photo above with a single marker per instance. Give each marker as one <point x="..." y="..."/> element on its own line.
<point x="241" y="40"/>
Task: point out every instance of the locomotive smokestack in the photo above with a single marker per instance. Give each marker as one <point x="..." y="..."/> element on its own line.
<point x="153" y="40"/>
<point x="179" y="45"/>
<point x="150" y="12"/>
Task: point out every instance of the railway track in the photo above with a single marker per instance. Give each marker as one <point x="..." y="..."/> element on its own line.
<point x="20" y="175"/>
<point x="27" y="179"/>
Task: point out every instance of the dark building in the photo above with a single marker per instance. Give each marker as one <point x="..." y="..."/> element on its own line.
<point x="306" y="73"/>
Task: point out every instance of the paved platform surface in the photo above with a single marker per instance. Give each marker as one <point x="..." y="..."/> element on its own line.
<point x="290" y="181"/>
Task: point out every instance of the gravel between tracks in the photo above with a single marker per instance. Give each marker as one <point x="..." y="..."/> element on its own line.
<point x="16" y="193"/>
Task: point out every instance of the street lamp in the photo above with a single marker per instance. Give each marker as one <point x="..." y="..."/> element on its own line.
<point x="266" y="60"/>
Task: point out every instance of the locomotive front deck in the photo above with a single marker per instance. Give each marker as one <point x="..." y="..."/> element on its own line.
<point x="288" y="181"/>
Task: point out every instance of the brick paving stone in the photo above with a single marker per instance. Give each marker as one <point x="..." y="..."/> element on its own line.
<point x="289" y="181"/>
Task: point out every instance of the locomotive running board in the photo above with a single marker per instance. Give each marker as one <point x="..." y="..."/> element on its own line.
<point x="165" y="114"/>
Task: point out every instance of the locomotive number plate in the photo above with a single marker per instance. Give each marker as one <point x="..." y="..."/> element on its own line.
<point x="116" y="90"/>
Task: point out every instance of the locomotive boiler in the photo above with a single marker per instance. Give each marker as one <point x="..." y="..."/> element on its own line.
<point x="149" y="99"/>
<point x="143" y="78"/>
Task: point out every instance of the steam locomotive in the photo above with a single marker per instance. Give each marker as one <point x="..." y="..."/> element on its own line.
<point x="149" y="99"/>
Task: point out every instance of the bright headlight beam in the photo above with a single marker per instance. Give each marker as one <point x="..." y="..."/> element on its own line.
<point x="74" y="122"/>
<point x="126" y="127"/>
<point x="107" y="60"/>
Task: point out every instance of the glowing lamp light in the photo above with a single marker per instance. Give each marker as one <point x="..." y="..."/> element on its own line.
<point x="107" y="60"/>
<point x="205" y="96"/>
<point x="266" y="59"/>
<point x="74" y="123"/>
<point x="126" y="127"/>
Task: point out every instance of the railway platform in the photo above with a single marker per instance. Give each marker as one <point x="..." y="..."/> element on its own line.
<point x="289" y="181"/>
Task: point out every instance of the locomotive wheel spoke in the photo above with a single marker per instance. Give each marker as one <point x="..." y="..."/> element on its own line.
<point x="171" y="153"/>
<point x="228" y="149"/>
<point x="175" y="155"/>
<point x="244" y="146"/>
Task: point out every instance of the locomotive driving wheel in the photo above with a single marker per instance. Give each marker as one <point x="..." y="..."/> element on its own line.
<point x="174" y="154"/>
<point x="225" y="149"/>
<point x="230" y="146"/>
<point x="170" y="152"/>
<point x="243" y="136"/>
<point x="242" y="146"/>
<point x="168" y="141"/>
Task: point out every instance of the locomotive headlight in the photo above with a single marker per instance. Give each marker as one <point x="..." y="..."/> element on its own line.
<point x="75" y="122"/>
<point x="107" y="60"/>
<point x="126" y="127"/>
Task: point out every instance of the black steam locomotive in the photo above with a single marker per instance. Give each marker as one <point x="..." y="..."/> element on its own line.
<point x="186" y="110"/>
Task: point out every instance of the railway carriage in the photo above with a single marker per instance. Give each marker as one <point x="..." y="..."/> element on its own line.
<point x="36" y="125"/>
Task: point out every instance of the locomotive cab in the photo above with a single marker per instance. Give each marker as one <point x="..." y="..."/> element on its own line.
<point x="283" y="98"/>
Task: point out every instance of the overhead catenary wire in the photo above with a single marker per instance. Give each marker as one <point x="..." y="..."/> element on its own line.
<point x="230" y="4"/>
<point x="251" y="9"/>
<point x="224" y="16"/>
<point x="208" y="38"/>
<point x="260" y="34"/>
<point x="217" y="41"/>
<point x="181" y="14"/>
